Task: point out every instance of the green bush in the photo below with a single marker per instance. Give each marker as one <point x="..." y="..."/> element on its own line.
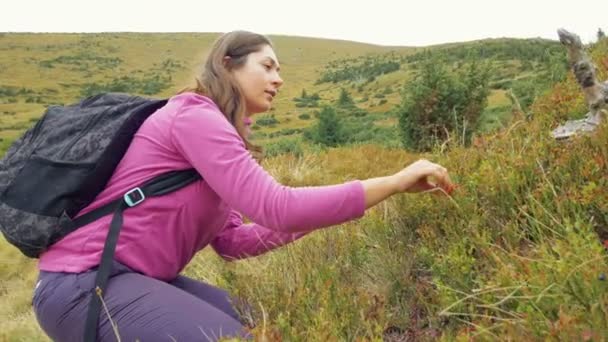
<point x="362" y="68"/>
<point x="284" y="146"/>
<point x="285" y="131"/>
<point x="328" y="130"/>
<point x="267" y="120"/>
<point x="345" y="100"/>
<point x="440" y="103"/>
<point x="150" y="84"/>
<point x="307" y="101"/>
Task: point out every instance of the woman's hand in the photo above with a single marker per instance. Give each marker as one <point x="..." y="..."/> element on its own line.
<point x="423" y="175"/>
<point x="417" y="177"/>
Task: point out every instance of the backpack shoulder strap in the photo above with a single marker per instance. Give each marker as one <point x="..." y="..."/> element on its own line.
<point x="157" y="186"/>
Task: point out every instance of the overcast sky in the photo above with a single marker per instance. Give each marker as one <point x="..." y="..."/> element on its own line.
<point x="383" y="22"/>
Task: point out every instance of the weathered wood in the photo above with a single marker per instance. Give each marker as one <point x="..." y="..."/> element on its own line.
<point x="596" y="93"/>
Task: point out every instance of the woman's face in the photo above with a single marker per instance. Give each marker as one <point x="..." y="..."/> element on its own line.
<point x="259" y="80"/>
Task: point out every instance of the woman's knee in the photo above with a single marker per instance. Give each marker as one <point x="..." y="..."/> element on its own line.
<point x="215" y="296"/>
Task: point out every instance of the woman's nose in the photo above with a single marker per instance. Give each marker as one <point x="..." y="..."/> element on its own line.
<point x="277" y="82"/>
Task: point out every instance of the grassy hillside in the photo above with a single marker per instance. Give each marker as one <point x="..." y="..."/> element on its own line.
<point x="514" y="255"/>
<point x="37" y="70"/>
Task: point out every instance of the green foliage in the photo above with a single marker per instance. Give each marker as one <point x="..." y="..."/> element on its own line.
<point x="544" y="61"/>
<point x="150" y="85"/>
<point x="170" y="65"/>
<point x="494" y="118"/>
<point x="305" y="100"/>
<point x="304" y="116"/>
<point x="363" y="131"/>
<point x="15" y="91"/>
<point x="14" y="94"/>
<point x="34" y="99"/>
<point x="284" y="132"/>
<point x="557" y="68"/>
<point x="360" y="69"/>
<point x="531" y="50"/>
<point x="529" y="88"/>
<point x="328" y="130"/>
<point x="345" y="100"/>
<point x="267" y="120"/>
<point x="440" y="103"/>
<point x="284" y="146"/>
<point x="353" y="128"/>
<point x="526" y="91"/>
<point x="346" y="107"/>
<point x="82" y="61"/>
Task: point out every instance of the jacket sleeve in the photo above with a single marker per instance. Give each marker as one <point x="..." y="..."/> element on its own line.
<point x="207" y="140"/>
<point x="238" y="240"/>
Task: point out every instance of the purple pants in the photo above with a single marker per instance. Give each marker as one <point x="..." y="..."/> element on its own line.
<point x="143" y="308"/>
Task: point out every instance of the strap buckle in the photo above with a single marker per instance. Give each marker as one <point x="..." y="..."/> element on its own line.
<point x="134" y="196"/>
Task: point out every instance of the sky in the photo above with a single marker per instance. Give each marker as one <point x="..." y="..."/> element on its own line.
<point x="381" y="22"/>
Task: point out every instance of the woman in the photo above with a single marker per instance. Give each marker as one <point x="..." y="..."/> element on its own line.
<point x="203" y="128"/>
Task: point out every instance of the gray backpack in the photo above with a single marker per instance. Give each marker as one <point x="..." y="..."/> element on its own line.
<point x="62" y="163"/>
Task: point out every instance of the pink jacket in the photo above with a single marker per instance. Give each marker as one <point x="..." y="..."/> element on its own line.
<point x="162" y="234"/>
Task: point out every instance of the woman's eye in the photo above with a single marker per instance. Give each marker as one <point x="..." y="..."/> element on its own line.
<point x="267" y="67"/>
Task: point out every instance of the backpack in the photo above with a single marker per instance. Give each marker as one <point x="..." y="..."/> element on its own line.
<point x="58" y="167"/>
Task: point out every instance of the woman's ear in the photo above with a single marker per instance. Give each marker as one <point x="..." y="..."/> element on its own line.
<point x="226" y="60"/>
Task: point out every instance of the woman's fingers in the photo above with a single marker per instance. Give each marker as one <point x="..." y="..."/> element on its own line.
<point x="441" y="178"/>
<point x="436" y="174"/>
<point x="424" y="175"/>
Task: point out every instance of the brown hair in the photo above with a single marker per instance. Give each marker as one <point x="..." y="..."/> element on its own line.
<point x="216" y="82"/>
